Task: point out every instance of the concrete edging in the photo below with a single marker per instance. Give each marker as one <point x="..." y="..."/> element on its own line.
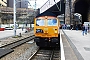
<point x="62" y="49"/>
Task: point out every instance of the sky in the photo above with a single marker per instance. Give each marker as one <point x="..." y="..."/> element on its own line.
<point x="39" y="3"/>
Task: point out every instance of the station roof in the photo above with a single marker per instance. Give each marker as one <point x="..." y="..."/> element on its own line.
<point x="54" y="9"/>
<point x="47" y="13"/>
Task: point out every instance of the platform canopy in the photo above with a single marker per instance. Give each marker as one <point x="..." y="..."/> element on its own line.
<point x="55" y="6"/>
<point x="47" y="13"/>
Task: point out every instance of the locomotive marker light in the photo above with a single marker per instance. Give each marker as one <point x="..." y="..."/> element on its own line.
<point x="46" y="17"/>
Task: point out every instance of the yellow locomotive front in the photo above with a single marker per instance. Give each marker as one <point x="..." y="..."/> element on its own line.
<point x="46" y="30"/>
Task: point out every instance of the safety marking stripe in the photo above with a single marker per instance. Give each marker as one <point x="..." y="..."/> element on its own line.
<point x="62" y="49"/>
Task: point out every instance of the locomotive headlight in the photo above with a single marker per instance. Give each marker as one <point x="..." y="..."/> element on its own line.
<point x="56" y="31"/>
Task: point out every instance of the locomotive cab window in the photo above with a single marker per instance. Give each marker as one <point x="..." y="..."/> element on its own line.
<point x="40" y="22"/>
<point x="52" y="22"/>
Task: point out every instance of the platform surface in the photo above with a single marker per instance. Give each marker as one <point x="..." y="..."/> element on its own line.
<point x="79" y="45"/>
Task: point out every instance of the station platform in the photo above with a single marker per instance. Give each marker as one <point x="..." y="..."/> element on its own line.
<point x="76" y="46"/>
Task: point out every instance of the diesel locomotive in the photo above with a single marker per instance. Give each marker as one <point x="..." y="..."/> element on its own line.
<point x="46" y="30"/>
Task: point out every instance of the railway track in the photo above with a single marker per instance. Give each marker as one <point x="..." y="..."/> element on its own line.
<point x="46" y="54"/>
<point x="17" y="43"/>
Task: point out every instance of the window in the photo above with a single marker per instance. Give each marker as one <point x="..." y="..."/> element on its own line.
<point x="40" y="22"/>
<point x="52" y="22"/>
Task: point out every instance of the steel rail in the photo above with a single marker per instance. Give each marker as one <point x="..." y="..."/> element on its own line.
<point x="52" y="55"/>
<point x="46" y="55"/>
<point x="33" y="54"/>
<point x="17" y="43"/>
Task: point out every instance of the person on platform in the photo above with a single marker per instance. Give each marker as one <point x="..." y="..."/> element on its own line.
<point x="83" y="30"/>
<point x="86" y="29"/>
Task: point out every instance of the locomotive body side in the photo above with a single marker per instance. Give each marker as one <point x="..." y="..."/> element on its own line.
<point x="46" y="30"/>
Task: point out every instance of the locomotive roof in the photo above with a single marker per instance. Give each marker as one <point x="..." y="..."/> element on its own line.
<point x="46" y="14"/>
